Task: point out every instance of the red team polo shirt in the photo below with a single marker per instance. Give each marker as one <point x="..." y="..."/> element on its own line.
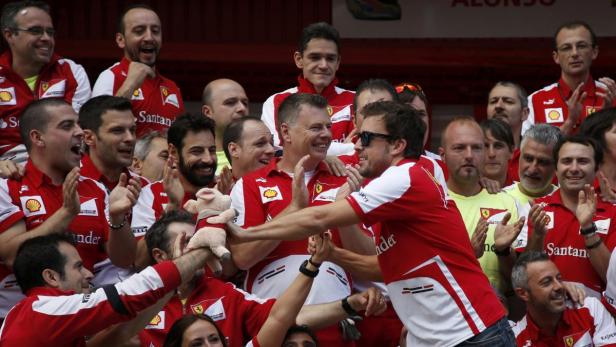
<point x="260" y="196"/>
<point x="239" y="315"/>
<point x="549" y="105"/>
<point x="88" y="169"/>
<point x="609" y="296"/>
<point x="433" y="278"/>
<point x="565" y="245"/>
<point x="60" y="78"/>
<point x="156" y="103"/>
<point x="589" y="325"/>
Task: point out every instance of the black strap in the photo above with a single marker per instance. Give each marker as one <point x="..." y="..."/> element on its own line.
<point x="114" y="299"/>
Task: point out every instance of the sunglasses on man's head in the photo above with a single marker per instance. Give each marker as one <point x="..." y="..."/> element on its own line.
<point x="411" y="87"/>
<point x="365" y="137"/>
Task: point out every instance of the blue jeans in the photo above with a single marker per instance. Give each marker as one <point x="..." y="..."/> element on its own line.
<point x="498" y="334"/>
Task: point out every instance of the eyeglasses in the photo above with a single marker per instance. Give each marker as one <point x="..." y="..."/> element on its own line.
<point x="38" y="31"/>
<point x="365" y="137"/>
<point x="411" y="87"/>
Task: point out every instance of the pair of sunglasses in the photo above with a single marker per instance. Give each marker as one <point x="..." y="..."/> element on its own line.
<point x="365" y="137"/>
<point x="411" y="87"/>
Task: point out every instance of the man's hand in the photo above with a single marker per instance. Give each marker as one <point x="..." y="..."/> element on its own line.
<point x="505" y="234"/>
<point x="123" y="197"/>
<point x="137" y="72"/>
<point x="607" y="194"/>
<point x="351" y="136"/>
<point x="492" y="186"/>
<point x="610" y="93"/>
<point x="335" y="165"/>
<point x="538" y="219"/>
<point x="353" y="183"/>
<point x="70" y="194"/>
<point x="299" y="190"/>
<point x="225" y="181"/>
<point x="370" y="300"/>
<point x="478" y="240"/>
<point x="172" y="185"/>
<point x="323" y="244"/>
<point x="575" y="107"/>
<point x="9" y="169"/>
<point x="575" y="292"/>
<point x="587" y="206"/>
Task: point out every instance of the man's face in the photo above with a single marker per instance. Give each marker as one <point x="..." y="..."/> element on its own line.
<point x="464" y="151"/>
<point x="174" y="230"/>
<point x="76" y="277"/>
<point x="115" y="142"/>
<point x="610" y="142"/>
<point x="545" y="290"/>
<point x="255" y="148"/>
<point x="375" y="158"/>
<point x="536" y="166"/>
<point x="228" y="102"/>
<point x="30" y="48"/>
<point x="366" y="97"/>
<point x="197" y="160"/>
<point x="142" y="37"/>
<point x="154" y="162"/>
<point x="575" y="167"/>
<point x="574" y="51"/>
<point x="504" y="104"/>
<point x="420" y="106"/>
<point x="497" y="157"/>
<point x="299" y="339"/>
<point x="319" y="62"/>
<point x="62" y="140"/>
<point x="310" y="134"/>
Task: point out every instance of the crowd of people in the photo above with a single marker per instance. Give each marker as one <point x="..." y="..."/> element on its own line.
<point x="345" y="230"/>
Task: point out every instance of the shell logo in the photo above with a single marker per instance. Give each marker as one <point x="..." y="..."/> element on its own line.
<point x="136" y="92"/>
<point x="165" y="91"/>
<point x="156" y="320"/>
<point x="270" y="193"/>
<point x="6" y="96"/>
<point x="554" y="115"/>
<point x="33" y="205"/>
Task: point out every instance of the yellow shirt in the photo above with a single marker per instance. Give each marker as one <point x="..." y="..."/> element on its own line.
<point x="31" y="82"/>
<point x="221" y="160"/>
<point x="492" y="207"/>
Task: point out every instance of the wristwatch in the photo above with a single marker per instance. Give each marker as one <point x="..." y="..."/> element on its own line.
<point x="310" y="273"/>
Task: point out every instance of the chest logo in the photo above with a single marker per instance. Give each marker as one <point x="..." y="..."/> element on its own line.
<point x="88" y="207"/>
<point x="158" y="322"/>
<point x="269" y="194"/>
<point x="590" y="110"/>
<point x="554" y="115"/>
<point x="52" y="89"/>
<point x="32" y="206"/>
<point x="7" y="96"/>
<point x="492" y="215"/>
<point x="168" y="97"/>
<point x="550" y="217"/>
<point x="137" y="94"/>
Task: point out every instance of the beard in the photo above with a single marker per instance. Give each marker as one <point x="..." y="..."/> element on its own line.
<point x="188" y="171"/>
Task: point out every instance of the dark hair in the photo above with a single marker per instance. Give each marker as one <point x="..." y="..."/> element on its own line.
<point x="120" y="24"/>
<point x="572" y="25"/>
<point x="233" y="132"/>
<point x="185" y="123"/>
<point x="499" y="130"/>
<point x="582" y="140"/>
<point x="10" y="10"/>
<point x="597" y="125"/>
<point x="374" y="84"/>
<point x="519" y="276"/>
<point x="289" y="108"/>
<point x="37" y="254"/>
<point x="36" y="117"/>
<point x="299" y="329"/>
<point x="157" y="237"/>
<point x="320" y="30"/>
<point x="522" y="94"/>
<point x="401" y="122"/>
<point x="91" y="113"/>
<point x="176" y="333"/>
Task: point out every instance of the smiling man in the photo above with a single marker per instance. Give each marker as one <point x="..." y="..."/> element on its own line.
<point x="156" y="100"/>
<point x="30" y="70"/>
<point x="318" y="56"/>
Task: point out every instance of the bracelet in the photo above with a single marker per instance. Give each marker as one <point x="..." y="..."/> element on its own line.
<point x="594" y="245"/>
<point x="347" y="307"/>
<point x="317" y="265"/>
<point x="303" y="269"/>
<point x="591" y="229"/>
<point x="118" y="226"/>
<point x="504" y="253"/>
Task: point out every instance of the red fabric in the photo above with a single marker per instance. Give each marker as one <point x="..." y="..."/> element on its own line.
<point x="383" y="330"/>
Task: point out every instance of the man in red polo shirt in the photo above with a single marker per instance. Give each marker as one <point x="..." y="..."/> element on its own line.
<point x="53" y="197"/>
<point x="318" y="56"/>
<point x="550" y="319"/>
<point x="579" y="231"/>
<point x="30" y="70"/>
<point x="576" y="95"/>
<point x="156" y="100"/>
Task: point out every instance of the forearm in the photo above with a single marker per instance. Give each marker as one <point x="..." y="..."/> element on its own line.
<point x="190" y="262"/>
<point x="599" y="256"/>
<point x="355" y="240"/>
<point x="142" y="256"/>
<point x="321" y="315"/>
<point x="566" y="128"/>
<point x="246" y="255"/>
<point x="535" y="243"/>
<point x="505" y="264"/>
<point x="127" y="89"/>
<point x="362" y="267"/>
<point x="294" y="226"/>
<point x="122" y="246"/>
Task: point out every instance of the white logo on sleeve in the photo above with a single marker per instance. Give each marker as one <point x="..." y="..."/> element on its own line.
<point x="603" y="226"/>
<point x="7" y="96"/>
<point x="89" y="208"/>
<point x="32" y="205"/>
<point x="158" y="322"/>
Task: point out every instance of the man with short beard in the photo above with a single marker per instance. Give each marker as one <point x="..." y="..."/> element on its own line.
<point x="549" y="321"/>
<point x="156" y="100"/>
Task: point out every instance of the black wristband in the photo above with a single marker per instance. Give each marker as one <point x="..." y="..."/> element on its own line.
<point x="303" y="269"/>
<point x="504" y="253"/>
<point x="591" y="229"/>
<point x="118" y="226"/>
<point x="594" y="245"/>
<point x="317" y="265"/>
<point x="347" y="308"/>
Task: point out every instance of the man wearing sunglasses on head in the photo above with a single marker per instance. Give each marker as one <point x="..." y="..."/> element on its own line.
<point x="30" y="70"/>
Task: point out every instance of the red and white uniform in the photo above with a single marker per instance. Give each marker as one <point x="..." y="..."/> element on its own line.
<point x="340" y="110"/>
<point x="51" y="317"/>
<point x="433" y="278"/>
<point x="549" y="105"/>
<point x="260" y="196"/>
<point x="589" y="325"/>
<point x="38" y="199"/>
<point x="609" y="295"/>
<point x="565" y="245"/>
<point x="239" y="315"/>
<point x="156" y="103"/>
<point x="60" y="78"/>
<point x="88" y="169"/>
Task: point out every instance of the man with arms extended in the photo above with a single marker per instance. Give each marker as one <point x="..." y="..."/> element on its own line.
<point x="156" y="100"/>
<point x="427" y="261"/>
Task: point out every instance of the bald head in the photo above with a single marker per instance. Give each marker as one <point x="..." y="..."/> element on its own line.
<point x="224" y="100"/>
<point x="467" y="124"/>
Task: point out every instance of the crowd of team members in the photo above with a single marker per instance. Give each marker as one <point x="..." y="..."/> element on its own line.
<point x="503" y="238"/>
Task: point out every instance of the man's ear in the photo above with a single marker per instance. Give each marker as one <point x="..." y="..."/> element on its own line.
<point x="399" y="147"/>
<point x="522" y="294"/>
<point x="136" y="166"/>
<point x="36" y="138"/>
<point x="297" y="58"/>
<point x="159" y="255"/>
<point x="284" y="133"/>
<point x="119" y="38"/>
<point x="89" y="137"/>
<point x="441" y="152"/>
<point x="51" y="278"/>
<point x="206" y="110"/>
<point x="234" y="150"/>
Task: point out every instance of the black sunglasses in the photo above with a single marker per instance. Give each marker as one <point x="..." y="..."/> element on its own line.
<point x="366" y="137"/>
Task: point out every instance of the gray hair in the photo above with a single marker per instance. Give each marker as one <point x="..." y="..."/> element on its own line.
<point x="10" y="10"/>
<point x="544" y="134"/>
<point x="522" y="94"/>
<point x="519" y="275"/>
<point x="142" y="147"/>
